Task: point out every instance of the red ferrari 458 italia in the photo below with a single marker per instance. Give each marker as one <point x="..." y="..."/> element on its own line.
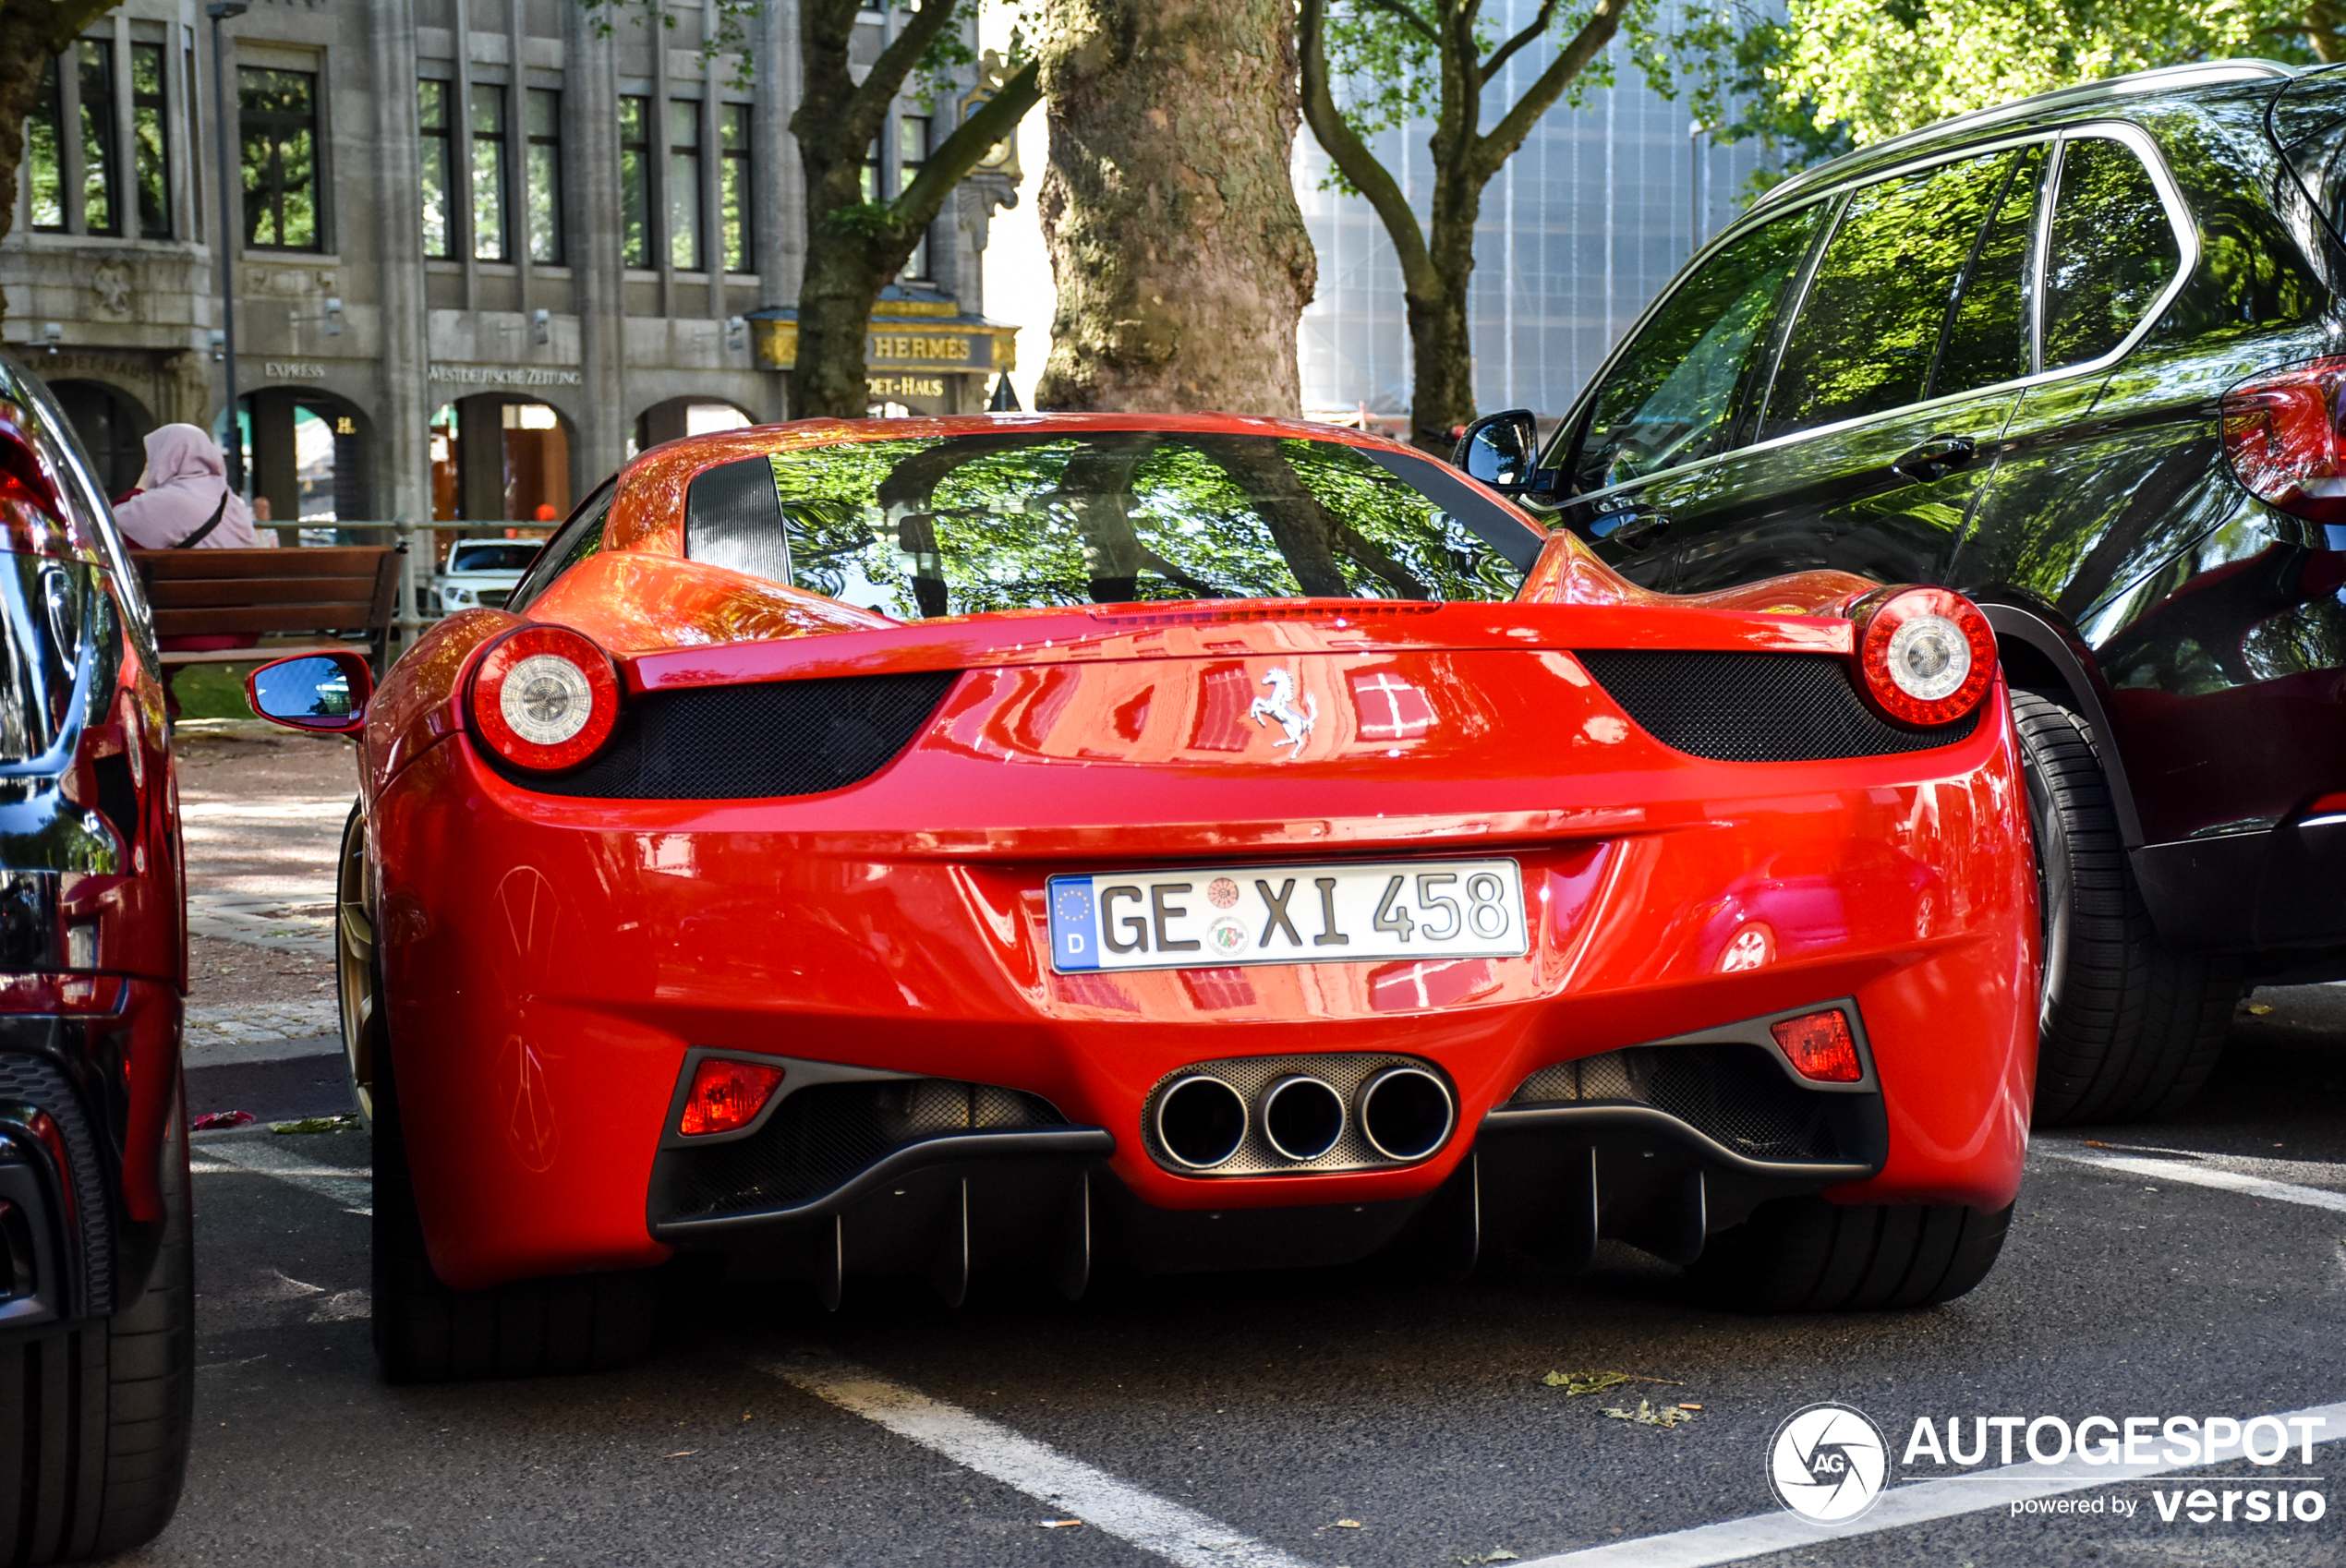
<point x="917" y="847"/>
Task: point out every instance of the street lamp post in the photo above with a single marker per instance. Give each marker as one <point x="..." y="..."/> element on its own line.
<point x="220" y="11"/>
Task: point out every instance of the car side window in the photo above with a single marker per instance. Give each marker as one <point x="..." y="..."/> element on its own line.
<point x="1987" y="335"/>
<point x="577" y="540"/>
<point x="2112" y="250"/>
<point x="1676" y="394"/>
<point x="1870" y="331"/>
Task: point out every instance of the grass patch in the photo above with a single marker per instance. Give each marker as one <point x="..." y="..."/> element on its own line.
<point x="213" y="690"/>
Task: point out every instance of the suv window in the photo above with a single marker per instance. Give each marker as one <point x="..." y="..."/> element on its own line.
<point x="1675" y="394"/>
<point x="2112" y="250"/>
<point x="1876" y="320"/>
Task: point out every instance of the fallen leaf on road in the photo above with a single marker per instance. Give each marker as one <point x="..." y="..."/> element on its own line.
<point x="1496" y="1554"/>
<point x="1645" y="1415"/>
<point x="2261" y="1008"/>
<point x="1585" y="1382"/>
<point x="211" y="1120"/>
<point x="314" y="1124"/>
<point x="1347" y="1524"/>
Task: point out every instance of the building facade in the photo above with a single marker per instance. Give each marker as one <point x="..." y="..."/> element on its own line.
<point x="1579" y="233"/>
<point x="485" y="249"/>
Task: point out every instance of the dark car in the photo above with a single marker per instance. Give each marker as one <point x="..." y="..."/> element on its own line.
<point x="97" y="1304"/>
<point x="2079" y="357"/>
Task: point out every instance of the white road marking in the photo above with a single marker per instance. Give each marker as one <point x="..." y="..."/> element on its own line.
<point x="1068" y="1486"/>
<point x="353" y="1189"/>
<point x="2194" y="1171"/>
<point x="1916" y="1503"/>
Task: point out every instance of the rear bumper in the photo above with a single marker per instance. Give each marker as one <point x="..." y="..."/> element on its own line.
<point x="550" y="964"/>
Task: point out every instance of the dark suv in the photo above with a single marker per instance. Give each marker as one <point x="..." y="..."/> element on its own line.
<point x="2084" y="358"/>
<point x="97" y="1298"/>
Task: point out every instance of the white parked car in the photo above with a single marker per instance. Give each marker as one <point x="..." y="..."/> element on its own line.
<point x="480" y="572"/>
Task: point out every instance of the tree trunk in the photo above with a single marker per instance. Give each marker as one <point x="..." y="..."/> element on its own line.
<point x="30" y="32"/>
<point x="1441" y="331"/>
<point x="1168" y="205"/>
<point x="842" y="280"/>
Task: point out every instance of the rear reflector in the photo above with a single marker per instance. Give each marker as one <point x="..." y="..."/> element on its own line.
<point x="1819" y="1046"/>
<point x="727" y="1096"/>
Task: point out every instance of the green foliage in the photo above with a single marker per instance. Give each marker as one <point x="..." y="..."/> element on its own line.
<point x="725" y="28"/>
<point x="873" y="219"/>
<point x="213" y="691"/>
<point x="1836" y="73"/>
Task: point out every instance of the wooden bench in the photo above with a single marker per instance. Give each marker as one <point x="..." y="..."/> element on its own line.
<point x="297" y="592"/>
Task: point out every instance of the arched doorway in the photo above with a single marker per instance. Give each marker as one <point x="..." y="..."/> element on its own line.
<point x="496" y="457"/>
<point x="113" y="426"/>
<point x="681" y="417"/>
<point x="305" y="453"/>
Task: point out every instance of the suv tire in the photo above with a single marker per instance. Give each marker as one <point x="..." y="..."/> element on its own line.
<point x="425" y="1332"/>
<point x="94" y="1446"/>
<point x="2129" y="1027"/>
<point x="1805" y="1255"/>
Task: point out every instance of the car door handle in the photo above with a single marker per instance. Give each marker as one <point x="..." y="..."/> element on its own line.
<point x="1636" y="530"/>
<point x="1936" y="458"/>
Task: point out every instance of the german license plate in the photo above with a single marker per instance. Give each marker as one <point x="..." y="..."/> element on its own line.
<point x="1287" y="915"/>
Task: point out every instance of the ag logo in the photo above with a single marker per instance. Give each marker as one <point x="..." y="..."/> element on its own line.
<point x="1827" y="1463"/>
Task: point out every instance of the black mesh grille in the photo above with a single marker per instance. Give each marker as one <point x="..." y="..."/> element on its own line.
<point x="753" y="742"/>
<point x="1731" y="1094"/>
<point x="820" y="1136"/>
<point x="38" y="1082"/>
<point x="1757" y="707"/>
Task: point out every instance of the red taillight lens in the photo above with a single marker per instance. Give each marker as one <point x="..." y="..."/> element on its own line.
<point x="726" y="1095"/>
<point x="545" y="698"/>
<point x="1925" y="656"/>
<point x="1819" y="1046"/>
<point x="2282" y="436"/>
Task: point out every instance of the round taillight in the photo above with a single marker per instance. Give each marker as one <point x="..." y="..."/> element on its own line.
<point x="545" y="697"/>
<point x="1925" y="656"/>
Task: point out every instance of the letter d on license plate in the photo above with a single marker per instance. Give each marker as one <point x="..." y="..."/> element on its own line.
<point x="1207" y="918"/>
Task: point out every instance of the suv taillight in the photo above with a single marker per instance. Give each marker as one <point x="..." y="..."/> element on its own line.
<point x="2282" y="436"/>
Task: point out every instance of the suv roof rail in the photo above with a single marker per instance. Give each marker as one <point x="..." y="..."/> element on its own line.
<point x="2205" y="73"/>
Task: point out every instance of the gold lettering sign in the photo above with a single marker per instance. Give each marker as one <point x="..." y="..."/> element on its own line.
<point x="952" y="349"/>
<point x="905" y="386"/>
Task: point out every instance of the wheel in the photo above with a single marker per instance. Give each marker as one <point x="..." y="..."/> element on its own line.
<point x="355" y="962"/>
<point x="1805" y="1255"/>
<point x="95" y="1417"/>
<point x="2128" y="1028"/>
<point x="425" y="1332"/>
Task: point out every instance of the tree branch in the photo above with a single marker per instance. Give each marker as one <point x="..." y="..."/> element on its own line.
<point x="959" y="153"/>
<point x="1531" y="34"/>
<point x="1350" y="154"/>
<point x="894" y="67"/>
<point x="1495" y="149"/>
<point x="1406" y="16"/>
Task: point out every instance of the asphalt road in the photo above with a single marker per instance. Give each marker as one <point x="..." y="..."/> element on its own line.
<point x="1339" y="1420"/>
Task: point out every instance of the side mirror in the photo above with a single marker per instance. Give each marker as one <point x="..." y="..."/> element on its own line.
<point x="1501" y="449"/>
<point x="321" y="693"/>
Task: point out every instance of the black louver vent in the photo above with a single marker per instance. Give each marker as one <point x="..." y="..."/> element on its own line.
<point x="1757" y="707"/>
<point x="1733" y="1094"/>
<point x="753" y="742"/>
<point x="820" y="1136"/>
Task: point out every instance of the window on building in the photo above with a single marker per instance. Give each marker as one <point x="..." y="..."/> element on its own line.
<point x="545" y="111"/>
<point x="100" y="215"/>
<point x="151" y="151"/>
<point x="636" y="182"/>
<point x="492" y="242"/>
<point x="440" y="212"/>
<point x="44" y="172"/>
<point x="684" y="185"/>
<point x="872" y="171"/>
<point x="195" y="139"/>
<point x="732" y="188"/>
<point x="278" y="112"/>
<point x="912" y="152"/>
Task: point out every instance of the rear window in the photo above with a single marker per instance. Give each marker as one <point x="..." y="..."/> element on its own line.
<point x="2112" y="251"/>
<point x="502" y="555"/>
<point x="969" y="524"/>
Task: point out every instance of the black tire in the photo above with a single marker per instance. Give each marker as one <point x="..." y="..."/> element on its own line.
<point x="1805" y="1255"/>
<point x="95" y="1417"/>
<point x="425" y="1332"/>
<point x="2129" y="1027"/>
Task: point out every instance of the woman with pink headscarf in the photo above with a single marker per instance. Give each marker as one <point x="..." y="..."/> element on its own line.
<point x="182" y="500"/>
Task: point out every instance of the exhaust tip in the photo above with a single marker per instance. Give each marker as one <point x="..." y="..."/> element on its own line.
<point x="1406" y="1112"/>
<point x="1200" y="1121"/>
<point x="1303" y="1117"/>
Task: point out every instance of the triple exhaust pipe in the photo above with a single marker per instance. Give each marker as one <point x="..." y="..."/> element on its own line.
<point x="1403" y="1114"/>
